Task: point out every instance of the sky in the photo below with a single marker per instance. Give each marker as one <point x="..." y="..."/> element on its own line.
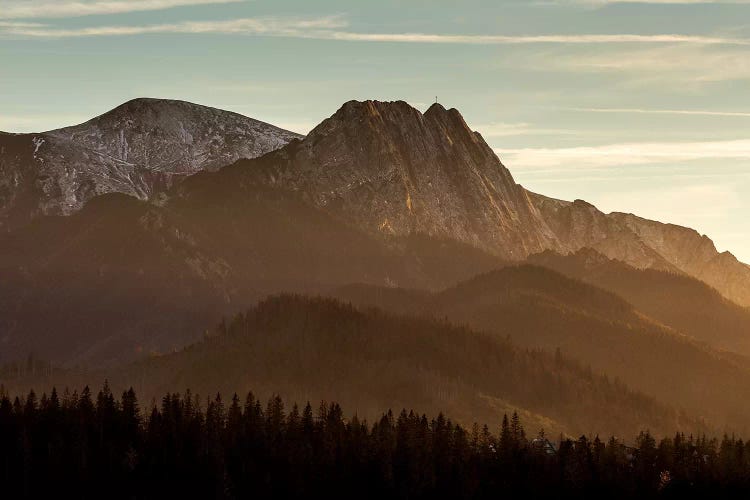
<point x="639" y="107"/>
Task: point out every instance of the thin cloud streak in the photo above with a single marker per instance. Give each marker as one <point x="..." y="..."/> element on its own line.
<point x="604" y="3"/>
<point x="693" y="65"/>
<point x="532" y="39"/>
<point x="501" y="129"/>
<point x="60" y="9"/>
<point x="20" y="24"/>
<point x="614" y="155"/>
<point x="643" y="111"/>
<point x="269" y="26"/>
<point x="330" y="28"/>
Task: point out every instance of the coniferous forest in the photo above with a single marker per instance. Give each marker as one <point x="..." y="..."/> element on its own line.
<point x="87" y="445"/>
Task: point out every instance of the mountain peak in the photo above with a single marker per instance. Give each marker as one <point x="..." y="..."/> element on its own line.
<point x="439" y="126"/>
<point x="436" y="108"/>
<point x="139" y="148"/>
<point x="373" y="114"/>
<point x="150" y="110"/>
<point x="389" y="168"/>
<point x="438" y="111"/>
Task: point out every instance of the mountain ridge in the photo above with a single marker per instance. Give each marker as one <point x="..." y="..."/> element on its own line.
<point x="387" y="168"/>
<point x="685" y="303"/>
<point x="378" y="193"/>
<point x="539" y="308"/>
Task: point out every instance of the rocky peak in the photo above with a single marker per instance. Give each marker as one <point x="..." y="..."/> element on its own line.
<point x="390" y="169"/>
<point x="397" y="129"/>
<point x="139" y="148"/>
<point x="452" y="124"/>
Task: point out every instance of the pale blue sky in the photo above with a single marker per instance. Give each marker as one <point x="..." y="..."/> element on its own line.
<point x="638" y="107"/>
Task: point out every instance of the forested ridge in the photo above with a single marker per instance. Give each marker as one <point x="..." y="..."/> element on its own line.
<point x="686" y="304"/>
<point x="313" y="348"/>
<point x="93" y="446"/>
<point x="538" y="308"/>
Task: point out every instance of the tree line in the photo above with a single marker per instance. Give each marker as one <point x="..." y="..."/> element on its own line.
<point x="96" y="445"/>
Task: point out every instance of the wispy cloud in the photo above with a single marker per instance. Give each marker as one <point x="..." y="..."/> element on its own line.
<point x="613" y="155"/>
<point x="333" y="28"/>
<point x="28" y="9"/>
<point x="270" y="26"/>
<point x="643" y="111"/>
<point x="20" y="24"/>
<point x="531" y="39"/>
<point x="599" y="3"/>
<point x="674" y="64"/>
<point x="503" y="129"/>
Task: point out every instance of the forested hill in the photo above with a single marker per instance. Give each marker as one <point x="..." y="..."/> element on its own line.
<point x="311" y="349"/>
<point x="684" y="303"/>
<point x="542" y="309"/>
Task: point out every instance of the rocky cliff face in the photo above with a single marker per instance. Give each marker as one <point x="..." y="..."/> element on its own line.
<point x="389" y="169"/>
<point x="139" y="148"/>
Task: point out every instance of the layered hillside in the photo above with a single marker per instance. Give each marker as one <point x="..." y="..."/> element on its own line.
<point x="122" y="277"/>
<point x="318" y="349"/>
<point x="540" y="309"/>
<point x="686" y="304"/>
<point x="379" y="193"/>
<point x="139" y="148"/>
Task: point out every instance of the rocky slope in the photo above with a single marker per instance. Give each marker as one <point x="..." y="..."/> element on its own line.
<point x="645" y="244"/>
<point x="139" y="148"/>
<point x="389" y="169"/>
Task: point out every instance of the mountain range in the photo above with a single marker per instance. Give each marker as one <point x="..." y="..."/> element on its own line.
<point x="136" y="232"/>
<point x="382" y="167"/>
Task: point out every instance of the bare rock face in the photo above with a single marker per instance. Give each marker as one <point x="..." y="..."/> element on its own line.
<point x="694" y="254"/>
<point x="389" y="169"/>
<point x="139" y="148"/>
<point x="646" y="244"/>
